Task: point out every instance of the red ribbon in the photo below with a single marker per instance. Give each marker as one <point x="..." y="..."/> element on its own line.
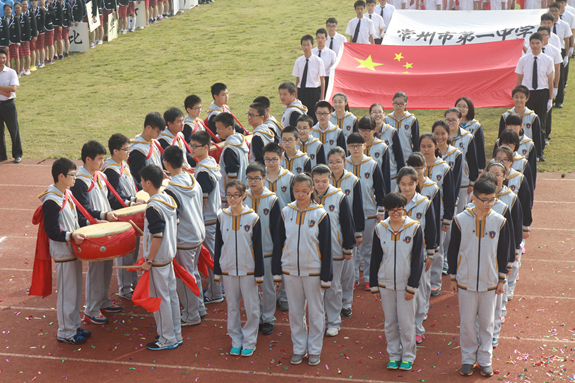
<point x="205" y="261"/>
<point x="111" y="188"/>
<point x="81" y="208"/>
<point x="42" y="272"/>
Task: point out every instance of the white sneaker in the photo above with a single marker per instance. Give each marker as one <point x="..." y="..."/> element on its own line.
<point x="27" y="73"/>
<point x="332" y="331"/>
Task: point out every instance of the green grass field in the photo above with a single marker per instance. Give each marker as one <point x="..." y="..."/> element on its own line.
<point x="249" y="45"/>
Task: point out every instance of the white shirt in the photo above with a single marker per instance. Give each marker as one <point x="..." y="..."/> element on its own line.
<point x="8" y="77"/>
<point x="431" y="5"/>
<point x="328" y="57"/>
<point x="337" y="39"/>
<point x="315" y="70"/>
<point x="532" y="4"/>
<point x="378" y="24"/>
<point x="544" y="68"/>
<point x="366" y="29"/>
<point x="551" y="51"/>
<point x="387" y="13"/>
<point x="570" y="9"/>
<point x="562" y="29"/>
<point x="497" y="5"/>
<point x="466" y="5"/>
<point x="569" y="18"/>
<point x="397" y="3"/>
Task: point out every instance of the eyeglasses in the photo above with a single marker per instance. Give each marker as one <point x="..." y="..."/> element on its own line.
<point x="73" y="175"/>
<point x="395" y="211"/>
<point x="503" y="160"/>
<point x="289" y="141"/>
<point x="127" y="150"/>
<point x="271" y="160"/>
<point x="355" y="146"/>
<point x="451" y="120"/>
<point x="252" y="115"/>
<point x="322" y="114"/>
<point x="419" y="168"/>
<point x="335" y="163"/>
<point x="250" y="179"/>
<point x="233" y="196"/>
<point x="487" y="201"/>
<point x="196" y="146"/>
<point x="198" y="108"/>
<point x="399" y="105"/>
<point x="300" y="129"/>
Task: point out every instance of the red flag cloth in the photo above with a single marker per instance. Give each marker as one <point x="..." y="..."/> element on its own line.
<point x="205" y="261"/>
<point x="188" y="279"/>
<point x="42" y="272"/>
<point x="433" y="77"/>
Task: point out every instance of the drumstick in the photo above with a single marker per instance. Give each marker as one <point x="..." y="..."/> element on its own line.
<point x="137" y="228"/>
<point x="127" y="267"/>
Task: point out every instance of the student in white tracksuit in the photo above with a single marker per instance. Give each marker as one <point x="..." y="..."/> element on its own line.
<point x="342" y="241"/>
<point x="405" y="124"/>
<point x="397" y="266"/>
<point x="478" y="266"/>
<point x="266" y="205"/>
<point x="302" y="254"/>
<point x="187" y="193"/>
<point x="341" y="116"/>
<point x="240" y="260"/>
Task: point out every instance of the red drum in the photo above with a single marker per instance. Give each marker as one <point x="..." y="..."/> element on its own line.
<point x="106" y="241"/>
<point x="136" y="214"/>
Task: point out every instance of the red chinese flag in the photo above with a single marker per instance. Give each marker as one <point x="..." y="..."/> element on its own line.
<point x="433" y="77"/>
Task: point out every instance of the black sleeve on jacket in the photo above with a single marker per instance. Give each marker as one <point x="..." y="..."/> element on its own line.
<point x="398" y="152"/>
<point x="156" y="223"/>
<point x="279" y="241"/>
<point x="480" y="148"/>
<point x="378" y="185"/>
<point x="326" y="273"/>
<point x="51" y="212"/>
<point x="449" y="197"/>
<point x="340" y="142"/>
<point x="386" y="170"/>
<point x="526" y="199"/>
<point x="358" y="214"/>
<point x="218" y="249"/>
<point x="457" y="174"/>
<point x="212" y="124"/>
<point x="173" y="195"/>
<point x="258" y="249"/>
<point x="416" y="260"/>
<point x="188" y="129"/>
<point x="321" y="156"/>
<point x="257" y="148"/>
<point x="511" y="235"/>
<point x="293" y="118"/>
<point x="501" y="126"/>
<point x="532" y="160"/>
<point x="206" y="182"/>
<point x="347" y="226"/>
<point x="537" y="138"/>
<point x="471" y="158"/>
<point x="191" y="159"/>
<point x="517" y="218"/>
<point x="430" y="230"/>
<point x="436" y="202"/>
<point x="114" y="180"/>
<point x="275" y="217"/>
<point x="414" y="136"/>
<point x="33" y="24"/>
<point x="495" y="147"/>
<point x="307" y="166"/>
<point x="137" y="161"/>
<point x="529" y="178"/>
<point x="376" y="258"/>
<point x="453" y="250"/>
<point x="80" y="192"/>
<point x="232" y="163"/>
<point x="503" y="250"/>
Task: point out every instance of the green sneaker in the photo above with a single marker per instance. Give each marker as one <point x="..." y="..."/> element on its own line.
<point x="405" y="365"/>
<point x="393" y="365"/>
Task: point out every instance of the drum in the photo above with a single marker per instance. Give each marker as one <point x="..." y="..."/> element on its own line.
<point x="145" y="196"/>
<point x="105" y="241"/>
<point x="134" y="213"/>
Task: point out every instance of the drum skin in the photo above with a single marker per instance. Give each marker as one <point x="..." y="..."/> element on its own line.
<point x="105" y="241"/>
<point x="136" y="213"/>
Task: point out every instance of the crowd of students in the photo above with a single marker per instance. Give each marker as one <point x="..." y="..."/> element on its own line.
<point x="36" y="32"/>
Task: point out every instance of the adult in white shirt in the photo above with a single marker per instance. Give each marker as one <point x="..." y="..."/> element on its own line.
<point x="309" y="72"/>
<point x="360" y="28"/>
<point x="378" y="22"/>
<point x="535" y="4"/>
<point x="8" y="114"/>
<point x="569" y="18"/>
<point x="496" y="5"/>
<point x="327" y="55"/>
<point x="399" y="4"/>
<point x="430" y="5"/>
<point x="469" y="5"/>
<point x="334" y="39"/>
<point x="541" y="85"/>
<point x="385" y="10"/>
<point x="563" y="30"/>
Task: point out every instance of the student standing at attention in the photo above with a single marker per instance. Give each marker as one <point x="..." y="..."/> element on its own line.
<point x="360" y="29"/>
<point x="309" y="71"/>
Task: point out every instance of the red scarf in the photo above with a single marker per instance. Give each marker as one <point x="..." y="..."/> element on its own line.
<point x="205" y="261"/>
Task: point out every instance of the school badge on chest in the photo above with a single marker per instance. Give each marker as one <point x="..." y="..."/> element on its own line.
<point x="387" y="142"/>
<point x="312" y="156"/>
<point x="439" y="177"/>
<point x="524" y="151"/>
<point x="331" y="142"/>
<point x="247" y="228"/>
<point x="461" y="145"/>
<point x="512" y="187"/>
<point x="366" y="175"/>
<point x="331" y="207"/>
<point x="347" y="192"/>
<point x="450" y="163"/>
<point x="419" y="215"/>
<point x="406" y="127"/>
<point x="527" y="126"/>
<point x="266" y="211"/>
<point x="348" y="128"/>
<point x="407" y="240"/>
<point x="311" y="223"/>
<point x="284" y="188"/>
<point x="298" y="169"/>
<point x="376" y="154"/>
<point x="491" y="234"/>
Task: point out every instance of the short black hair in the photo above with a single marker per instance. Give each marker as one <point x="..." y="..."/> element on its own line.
<point x="513" y="119"/>
<point x="415" y="160"/>
<point x="217" y="88"/>
<point x="400" y="94"/>
<point x="520" y="88"/>
<point x="256" y="166"/>
<point x="225" y="118"/>
<point x="544" y="28"/>
<point x="289" y="86"/>
<point x="7" y="5"/>
<point x="201" y="137"/>
<point x="359" y="3"/>
<point x="272" y="147"/>
<point x="555" y="5"/>
<point x="290" y="129"/>
<point x="191" y="100"/>
<point x="116" y="141"/>
<point x="355" y="138"/>
<point x="154" y="174"/>
<point x="321" y="31"/>
<point x="174" y="156"/>
<point x="261" y="108"/>
<point x="453" y="110"/>
<point x="242" y="187"/>
<point x="331" y="20"/>
<point x="489" y="177"/>
<point x="322" y="104"/>
<point x="470" y="107"/>
<point x="263" y="100"/>
<point x="4" y="52"/>
<point x="394" y="200"/>
<point x="370" y="2"/>
<point x="320" y="169"/>
<point x="536" y="36"/>
<point x="306" y="118"/>
<point x="155" y="120"/>
<point x="366" y="123"/>
<point x="509" y="136"/>
<point x="172" y="114"/>
<point x="62" y="166"/>
<point x="484" y="185"/>
<point x="336" y="150"/>
<point x="306" y="38"/>
<point x="547" y="17"/>
<point x="92" y="149"/>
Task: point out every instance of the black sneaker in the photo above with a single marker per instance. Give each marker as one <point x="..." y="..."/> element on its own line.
<point x="486" y="371"/>
<point x="60" y="57"/>
<point x="466" y="370"/>
<point x="346" y="312"/>
<point x="75" y="339"/>
<point x="66" y="54"/>
<point x="267" y="328"/>
<point x="559" y="106"/>
<point x="542" y="158"/>
<point x="83" y="333"/>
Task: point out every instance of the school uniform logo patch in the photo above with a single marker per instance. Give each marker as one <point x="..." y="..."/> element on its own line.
<point x="247" y="228"/>
<point x="387" y="142"/>
<point x="528" y="126"/>
<point x="331" y="207"/>
<point x="407" y="240"/>
<point x="366" y="175"/>
<point x="312" y="156"/>
<point x="512" y="187"/>
<point x="347" y="192"/>
<point x="524" y="151"/>
<point x="377" y="154"/>
<point x="266" y="211"/>
<point x="450" y="163"/>
<point x="461" y="145"/>
<point x="406" y="127"/>
<point x="348" y="128"/>
<point x="331" y="142"/>
<point x="284" y="189"/>
<point x="298" y="169"/>
<point x="419" y="215"/>
<point x="311" y="223"/>
<point x="491" y="234"/>
<point x="439" y="177"/>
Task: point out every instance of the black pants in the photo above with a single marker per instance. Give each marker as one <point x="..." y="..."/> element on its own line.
<point x="545" y="132"/>
<point x="562" y="80"/>
<point x="309" y="97"/>
<point x="9" y="116"/>
<point x="326" y="78"/>
<point x="377" y="41"/>
<point x="538" y="103"/>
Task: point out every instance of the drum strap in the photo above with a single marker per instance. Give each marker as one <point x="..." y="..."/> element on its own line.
<point x="226" y="109"/>
<point x="216" y="139"/>
<point x="81" y="208"/>
<point x="111" y="188"/>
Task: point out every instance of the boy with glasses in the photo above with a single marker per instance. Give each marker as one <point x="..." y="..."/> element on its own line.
<point x="307" y="144"/>
<point x="262" y="135"/>
<point x="192" y="123"/>
<point x="293" y="159"/>
<point x="334" y="39"/>
<point x="329" y="134"/>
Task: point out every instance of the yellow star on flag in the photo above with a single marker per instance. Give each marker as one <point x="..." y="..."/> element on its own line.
<point x="398" y="57"/>
<point x="408" y="65"/>
<point x="367" y="63"/>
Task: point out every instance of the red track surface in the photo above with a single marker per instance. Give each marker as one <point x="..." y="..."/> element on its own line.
<point x="537" y="341"/>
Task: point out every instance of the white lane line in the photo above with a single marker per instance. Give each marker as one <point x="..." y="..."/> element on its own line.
<point x="551" y="229"/>
<point x="25" y="186"/>
<point x="192" y="368"/>
<point x="13" y="208"/>
<point x="561" y="202"/>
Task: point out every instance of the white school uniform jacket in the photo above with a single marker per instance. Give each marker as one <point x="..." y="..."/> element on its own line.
<point x="161" y="222"/>
<point x="350" y="185"/>
<point x="292" y="112"/>
<point x="480" y="262"/>
<point x="67" y="222"/>
<point x="454" y="158"/>
<point x="469" y="170"/>
<point x="475" y="128"/>
<point x="262" y="136"/>
<point x="281" y="186"/>
<point x="386" y="12"/>
<point x="214" y="110"/>
<point x="313" y="148"/>
<point x="266" y="206"/>
<point x="175" y="140"/>
<point x="407" y="130"/>
<point x="378" y="150"/>
<point x="233" y="161"/>
<point x="192" y="126"/>
<point x="126" y="185"/>
<point x="342" y="227"/>
<point x="208" y="176"/>
<point x="347" y="124"/>
<point x="510" y="199"/>
<point x="531" y="127"/>
<point x="420" y="209"/>
<point x="389" y="135"/>
<point x="302" y="244"/>
<point x="519" y="185"/>
<point x="275" y="127"/>
<point x="397" y="258"/>
<point x="148" y="149"/>
<point x="188" y="194"/>
<point x="372" y="184"/>
<point x="238" y="250"/>
<point x="440" y="172"/>
<point x="97" y="191"/>
<point x="296" y="165"/>
<point x="331" y="137"/>
<point x="430" y="190"/>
